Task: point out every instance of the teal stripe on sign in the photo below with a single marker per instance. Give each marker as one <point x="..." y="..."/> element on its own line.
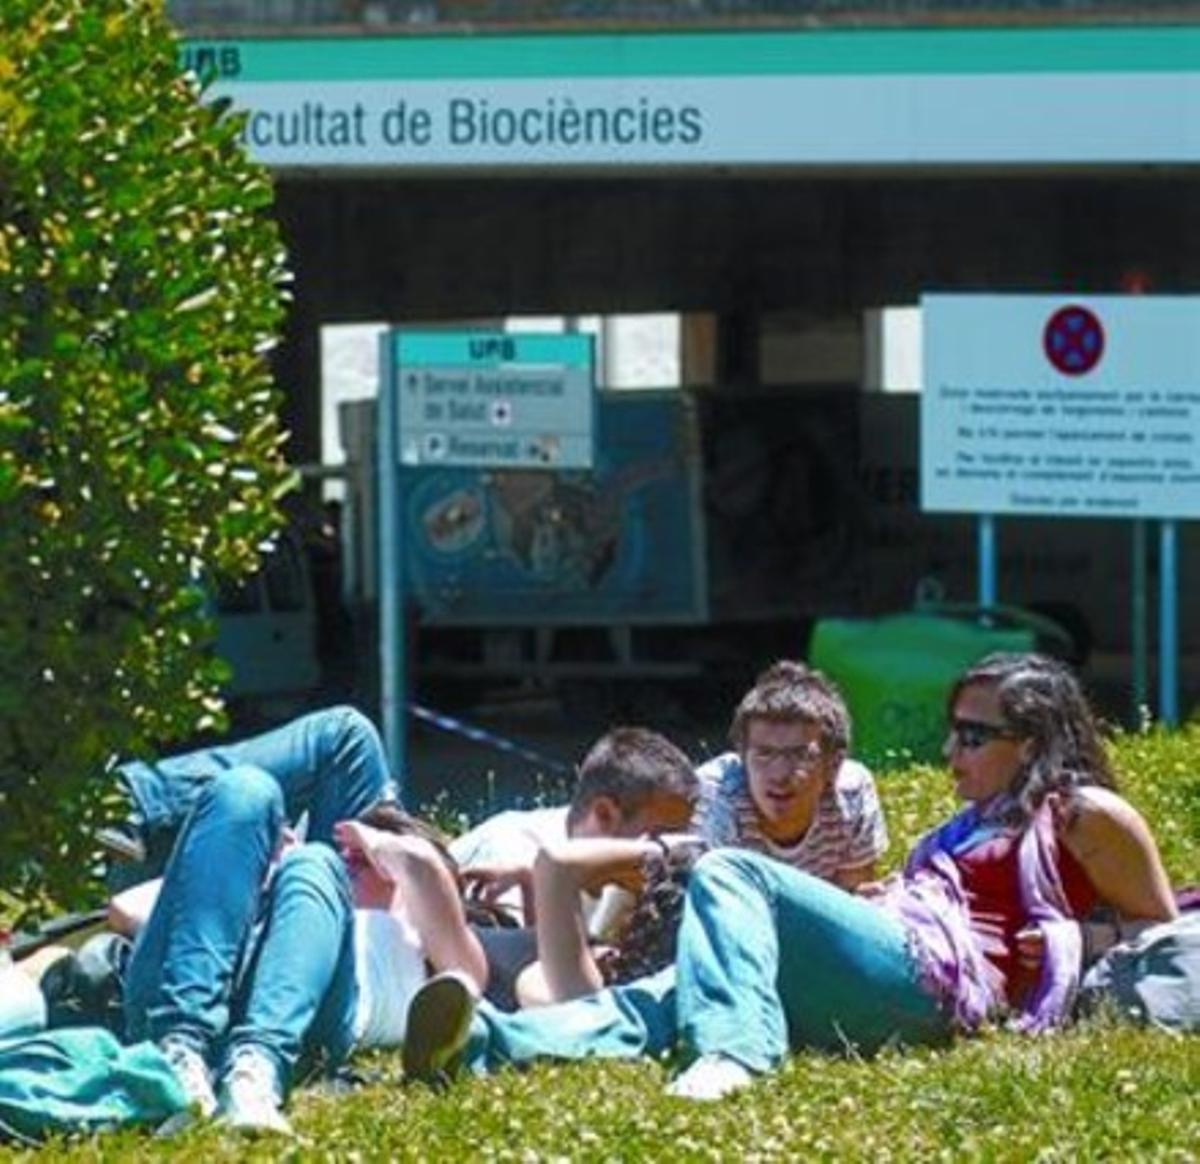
<point x="720" y="54"/>
<point x="492" y="349"/>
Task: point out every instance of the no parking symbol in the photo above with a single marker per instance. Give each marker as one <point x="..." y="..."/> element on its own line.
<point x="1073" y="340"/>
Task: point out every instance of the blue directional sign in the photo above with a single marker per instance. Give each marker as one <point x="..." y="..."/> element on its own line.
<point x="494" y="399"/>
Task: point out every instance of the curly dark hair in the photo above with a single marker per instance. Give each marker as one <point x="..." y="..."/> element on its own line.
<point x="649" y="937"/>
<point x="1042" y="702"/>
<point x="790" y="691"/>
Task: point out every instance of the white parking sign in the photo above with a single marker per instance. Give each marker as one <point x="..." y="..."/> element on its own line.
<point x="1080" y="406"/>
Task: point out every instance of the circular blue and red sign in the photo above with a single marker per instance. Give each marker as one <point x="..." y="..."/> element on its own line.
<point x="1073" y="340"/>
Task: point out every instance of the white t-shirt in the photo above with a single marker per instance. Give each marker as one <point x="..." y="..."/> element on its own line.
<point x="511" y="838"/>
<point x="848" y="828"/>
<point x="389" y="966"/>
<point x="514" y="838"/>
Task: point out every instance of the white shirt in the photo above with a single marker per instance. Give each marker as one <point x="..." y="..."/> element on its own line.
<point x="389" y="965"/>
<point x="514" y="838"/>
<point x="511" y="838"/>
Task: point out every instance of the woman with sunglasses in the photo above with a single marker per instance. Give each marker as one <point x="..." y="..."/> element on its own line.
<point x="982" y="923"/>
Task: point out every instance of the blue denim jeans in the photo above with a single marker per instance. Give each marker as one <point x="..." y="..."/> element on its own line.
<point x="769" y="958"/>
<point x="299" y="989"/>
<point x="637" y="1018"/>
<point x="228" y="958"/>
<point x="330" y="764"/>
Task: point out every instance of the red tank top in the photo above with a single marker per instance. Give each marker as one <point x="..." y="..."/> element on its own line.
<point x="991" y="880"/>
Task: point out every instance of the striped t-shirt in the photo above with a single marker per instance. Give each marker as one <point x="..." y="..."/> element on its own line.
<point x="847" y="830"/>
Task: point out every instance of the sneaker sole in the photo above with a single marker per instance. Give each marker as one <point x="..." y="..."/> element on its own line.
<point x="118" y="843"/>
<point x="439" y="1021"/>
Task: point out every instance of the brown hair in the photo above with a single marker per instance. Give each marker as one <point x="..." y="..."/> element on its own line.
<point x="631" y="765"/>
<point x="790" y="691"/>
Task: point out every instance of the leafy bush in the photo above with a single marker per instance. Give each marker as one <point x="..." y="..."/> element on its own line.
<point x="139" y="444"/>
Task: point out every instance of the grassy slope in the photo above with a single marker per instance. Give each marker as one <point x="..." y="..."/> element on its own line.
<point x="1100" y="1091"/>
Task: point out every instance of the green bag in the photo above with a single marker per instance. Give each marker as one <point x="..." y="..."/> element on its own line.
<point x="896" y="672"/>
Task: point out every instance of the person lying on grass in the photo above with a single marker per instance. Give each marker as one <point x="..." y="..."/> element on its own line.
<point x="254" y="949"/>
<point x="983" y="921"/>
<point x="184" y="984"/>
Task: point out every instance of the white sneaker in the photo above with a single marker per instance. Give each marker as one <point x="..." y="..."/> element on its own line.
<point x="251" y="1097"/>
<point x="711" y="1077"/>
<point x="196" y="1081"/>
<point x="439" y="1021"/>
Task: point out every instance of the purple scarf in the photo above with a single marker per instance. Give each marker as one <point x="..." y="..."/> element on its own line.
<point x="929" y="900"/>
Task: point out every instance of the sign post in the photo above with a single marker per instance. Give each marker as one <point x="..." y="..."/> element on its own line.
<point x="1080" y="407"/>
<point x="466" y="399"/>
<point x="1168" y="625"/>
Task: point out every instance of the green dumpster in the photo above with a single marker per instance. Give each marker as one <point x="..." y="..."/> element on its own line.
<point x="895" y="673"/>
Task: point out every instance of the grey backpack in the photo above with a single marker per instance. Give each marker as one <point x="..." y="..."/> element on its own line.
<point x="1153" y="979"/>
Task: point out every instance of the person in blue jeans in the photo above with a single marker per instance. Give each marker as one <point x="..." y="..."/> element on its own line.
<point x="329" y="764"/>
<point x="758" y="942"/>
<point x="985" y="920"/>
<point x="230" y="961"/>
<point x="245" y="961"/>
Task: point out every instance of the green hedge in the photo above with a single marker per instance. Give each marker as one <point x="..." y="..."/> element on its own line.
<point x="140" y="291"/>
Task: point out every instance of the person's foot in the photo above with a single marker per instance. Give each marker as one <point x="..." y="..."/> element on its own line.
<point x="196" y="1081"/>
<point x="439" y="1021"/>
<point x="711" y="1077"/>
<point x="251" y="1098"/>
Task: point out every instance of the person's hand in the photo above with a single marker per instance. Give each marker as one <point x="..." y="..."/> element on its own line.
<point x="365" y="852"/>
<point x="488" y="883"/>
<point x="360" y="845"/>
<point x="870" y="889"/>
<point x="679" y="846"/>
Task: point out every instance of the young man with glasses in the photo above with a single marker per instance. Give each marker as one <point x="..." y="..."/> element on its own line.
<point x="788" y="789"/>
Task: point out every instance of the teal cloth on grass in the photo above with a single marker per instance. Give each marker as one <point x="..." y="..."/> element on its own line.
<point x="81" y="1080"/>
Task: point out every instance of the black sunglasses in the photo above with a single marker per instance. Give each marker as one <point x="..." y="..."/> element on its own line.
<point x="975" y="733"/>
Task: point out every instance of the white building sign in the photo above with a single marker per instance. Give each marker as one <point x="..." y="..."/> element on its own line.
<point x="907" y="97"/>
<point x="1082" y="406"/>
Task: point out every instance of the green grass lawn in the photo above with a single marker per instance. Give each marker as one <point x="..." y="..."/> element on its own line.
<point x="1100" y="1091"/>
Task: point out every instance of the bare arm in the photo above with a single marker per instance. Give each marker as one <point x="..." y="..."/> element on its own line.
<point x="426" y="890"/>
<point x="1113" y="843"/>
<point x="560" y="873"/>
